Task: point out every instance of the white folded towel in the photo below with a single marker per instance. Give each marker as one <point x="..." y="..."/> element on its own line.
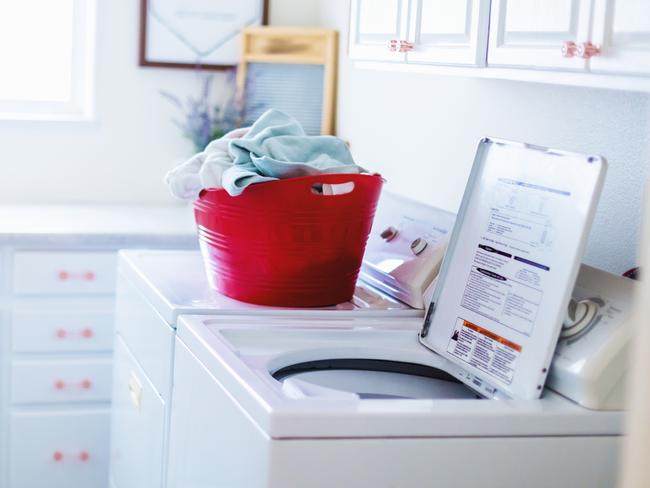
<point x="203" y="170"/>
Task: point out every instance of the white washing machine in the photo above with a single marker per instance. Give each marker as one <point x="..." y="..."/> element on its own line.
<point x="353" y="406"/>
<point x="155" y="288"/>
<point x="458" y="403"/>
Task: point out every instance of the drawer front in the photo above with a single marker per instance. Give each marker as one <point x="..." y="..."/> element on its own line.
<point x="51" y="330"/>
<point x="60" y="381"/>
<point x="137" y="425"/>
<point x="59" y="449"/>
<point x="62" y="273"/>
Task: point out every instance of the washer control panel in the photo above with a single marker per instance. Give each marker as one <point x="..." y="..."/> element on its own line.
<point x="591" y="357"/>
<point x="405" y="248"/>
<point x="581" y="316"/>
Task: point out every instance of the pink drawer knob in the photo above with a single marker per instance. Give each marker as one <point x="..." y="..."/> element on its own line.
<point x="89" y="276"/>
<point x="63" y="275"/>
<point x="87" y="333"/>
<point x="406" y="46"/>
<point x="59" y="384"/>
<point x="57" y="456"/>
<point x="86" y="384"/>
<point x="84" y="456"/>
<point x="588" y="50"/>
<point x="61" y="333"/>
<point x="569" y="49"/>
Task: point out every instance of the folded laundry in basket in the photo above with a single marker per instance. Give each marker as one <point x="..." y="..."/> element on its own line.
<point x="203" y="170"/>
<point x="277" y="147"/>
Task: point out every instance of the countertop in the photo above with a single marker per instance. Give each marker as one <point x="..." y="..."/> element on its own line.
<point x="100" y="226"/>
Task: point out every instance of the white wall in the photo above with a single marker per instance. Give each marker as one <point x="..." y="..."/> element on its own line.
<point x="122" y="156"/>
<point x="420" y="131"/>
<point x="294" y="12"/>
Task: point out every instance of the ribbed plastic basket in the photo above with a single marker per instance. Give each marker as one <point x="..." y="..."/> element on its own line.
<point x="286" y="242"/>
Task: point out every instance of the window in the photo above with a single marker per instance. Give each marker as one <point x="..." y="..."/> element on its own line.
<point x="46" y="59"/>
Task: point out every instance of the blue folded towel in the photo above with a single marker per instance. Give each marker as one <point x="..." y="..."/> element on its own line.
<point x="277" y="147"/>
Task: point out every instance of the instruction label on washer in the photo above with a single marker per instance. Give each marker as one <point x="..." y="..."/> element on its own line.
<point x="485" y="350"/>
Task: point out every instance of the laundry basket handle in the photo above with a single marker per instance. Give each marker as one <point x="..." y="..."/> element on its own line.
<point x="334" y="184"/>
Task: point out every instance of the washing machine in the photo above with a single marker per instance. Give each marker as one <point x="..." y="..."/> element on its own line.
<point x="402" y="259"/>
<point x="354" y="405"/>
<point x="460" y="401"/>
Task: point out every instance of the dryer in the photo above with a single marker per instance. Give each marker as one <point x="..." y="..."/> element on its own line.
<point x="155" y="288"/>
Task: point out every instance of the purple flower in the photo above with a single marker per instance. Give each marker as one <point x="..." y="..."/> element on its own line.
<point x="203" y="121"/>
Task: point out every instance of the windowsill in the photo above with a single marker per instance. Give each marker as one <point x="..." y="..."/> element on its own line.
<point x="46" y="117"/>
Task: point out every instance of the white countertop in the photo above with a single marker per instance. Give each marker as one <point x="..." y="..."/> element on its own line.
<point x="105" y="226"/>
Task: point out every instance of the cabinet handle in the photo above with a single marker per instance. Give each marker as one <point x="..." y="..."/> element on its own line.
<point x="82" y="456"/>
<point x="588" y="50"/>
<point x="84" y="276"/>
<point x="86" y="333"/>
<point x="569" y="49"/>
<point x="135" y="390"/>
<point x="84" y="384"/>
<point x="406" y="46"/>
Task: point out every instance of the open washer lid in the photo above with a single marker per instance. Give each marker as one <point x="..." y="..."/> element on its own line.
<point x="511" y="265"/>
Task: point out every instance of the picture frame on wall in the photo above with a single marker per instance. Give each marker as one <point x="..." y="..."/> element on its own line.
<point x="198" y="34"/>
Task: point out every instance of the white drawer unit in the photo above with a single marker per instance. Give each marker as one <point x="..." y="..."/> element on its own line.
<point x="61" y="273"/>
<point x="54" y="330"/>
<point x="60" y="381"/>
<point x="57" y="296"/>
<point x="59" y="449"/>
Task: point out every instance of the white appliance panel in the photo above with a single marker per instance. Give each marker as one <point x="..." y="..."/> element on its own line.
<point x="512" y="262"/>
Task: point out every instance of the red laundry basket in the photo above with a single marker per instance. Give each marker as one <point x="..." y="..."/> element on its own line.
<point x="282" y="243"/>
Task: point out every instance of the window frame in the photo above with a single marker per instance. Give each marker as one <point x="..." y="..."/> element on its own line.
<point x="80" y="106"/>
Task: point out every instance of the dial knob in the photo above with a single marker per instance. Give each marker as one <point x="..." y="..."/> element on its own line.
<point x="418" y="245"/>
<point x="580" y="315"/>
<point x="389" y="233"/>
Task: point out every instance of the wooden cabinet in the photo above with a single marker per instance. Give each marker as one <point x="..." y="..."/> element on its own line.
<point x="572" y="42"/>
<point x="59" y="448"/>
<point x="531" y="33"/>
<point x="59" y="309"/>
<point x="451" y="32"/>
<point x="622" y="29"/>
<point x="373" y="25"/>
<point x="445" y="32"/>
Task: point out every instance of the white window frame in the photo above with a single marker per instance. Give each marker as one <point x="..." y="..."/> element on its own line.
<point x="80" y="106"/>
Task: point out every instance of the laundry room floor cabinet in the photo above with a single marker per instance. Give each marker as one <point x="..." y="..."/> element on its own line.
<point x="57" y="286"/>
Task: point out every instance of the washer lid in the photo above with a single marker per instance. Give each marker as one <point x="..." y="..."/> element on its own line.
<point x="511" y="265"/>
<point x="405" y="248"/>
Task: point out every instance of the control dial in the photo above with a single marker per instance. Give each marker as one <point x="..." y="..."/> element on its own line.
<point x="581" y="314"/>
